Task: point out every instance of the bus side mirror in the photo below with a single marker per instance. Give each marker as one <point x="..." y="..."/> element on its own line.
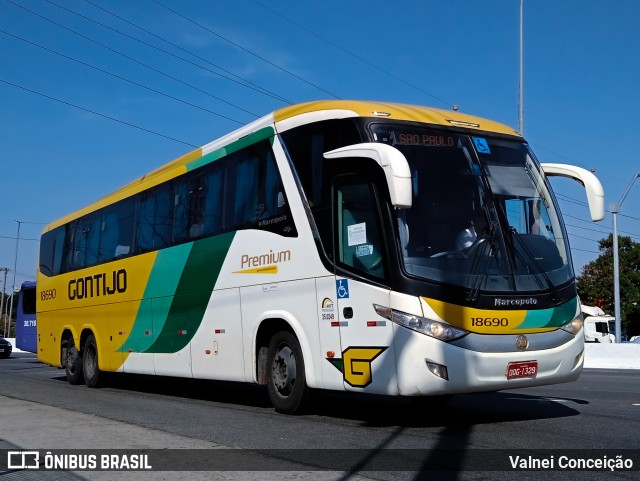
<point x="393" y="163"/>
<point x="595" y="192"/>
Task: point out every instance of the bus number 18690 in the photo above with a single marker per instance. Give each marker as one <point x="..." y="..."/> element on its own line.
<point x="47" y="294"/>
<point x="489" y="321"/>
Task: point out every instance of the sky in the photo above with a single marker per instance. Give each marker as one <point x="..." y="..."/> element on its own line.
<point x="96" y="93"/>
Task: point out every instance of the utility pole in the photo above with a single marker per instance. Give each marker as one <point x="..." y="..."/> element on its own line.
<point x="4" y="285"/>
<point x="15" y="269"/>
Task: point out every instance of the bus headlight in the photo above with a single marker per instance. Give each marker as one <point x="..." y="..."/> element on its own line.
<point x="574" y="326"/>
<point x="436" y="329"/>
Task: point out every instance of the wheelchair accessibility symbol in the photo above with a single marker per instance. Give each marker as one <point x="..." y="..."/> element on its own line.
<point x="342" y="288"/>
<point x="481" y="145"/>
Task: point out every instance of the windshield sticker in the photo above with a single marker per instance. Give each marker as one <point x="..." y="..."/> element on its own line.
<point x="364" y="250"/>
<point x="357" y="234"/>
<point x="481" y="145"/>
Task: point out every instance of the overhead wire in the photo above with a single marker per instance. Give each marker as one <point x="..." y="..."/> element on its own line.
<point x="391" y="74"/>
<point x="629" y="216"/>
<point x="571" y="199"/>
<point x="585" y="250"/>
<point x="244" y="49"/>
<point x="567" y="198"/>
<point x="18" y="238"/>
<point x="352" y="54"/>
<point x="130" y="58"/>
<point x="238" y="80"/>
<point x="123" y="78"/>
<point x="257" y="87"/>
<point x="97" y="113"/>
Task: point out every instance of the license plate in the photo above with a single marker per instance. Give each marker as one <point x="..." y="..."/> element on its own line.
<point x="517" y="370"/>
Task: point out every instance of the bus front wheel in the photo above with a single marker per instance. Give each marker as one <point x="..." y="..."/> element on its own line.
<point x="72" y="363"/>
<point x="90" y="362"/>
<point x="286" y="382"/>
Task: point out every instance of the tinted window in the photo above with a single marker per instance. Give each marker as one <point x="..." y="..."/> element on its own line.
<point x="153" y="230"/>
<point x="241" y="191"/>
<point x="29" y="301"/>
<point x="306" y="146"/>
<point x="359" y="233"/>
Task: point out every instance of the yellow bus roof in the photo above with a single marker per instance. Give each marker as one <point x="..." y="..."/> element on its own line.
<point x="398" y="111"/>
<point x="347" y="108"/>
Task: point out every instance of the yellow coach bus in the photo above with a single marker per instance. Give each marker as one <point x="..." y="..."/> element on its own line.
<point x="343" y="245"/>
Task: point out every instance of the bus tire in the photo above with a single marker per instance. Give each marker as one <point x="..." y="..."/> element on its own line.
<point x="72" y="363"/>
<point x="286" y="381"/>
<point x="92" y="375"/>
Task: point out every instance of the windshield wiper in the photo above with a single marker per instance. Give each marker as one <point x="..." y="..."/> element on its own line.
<point x="516" y="235"/>
<point x="481" y="259"/>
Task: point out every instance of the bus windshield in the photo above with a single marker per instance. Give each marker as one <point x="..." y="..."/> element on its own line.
<point x="482" y="216"/>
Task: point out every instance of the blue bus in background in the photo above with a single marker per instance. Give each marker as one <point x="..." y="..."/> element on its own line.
<point x="26" y="332"/>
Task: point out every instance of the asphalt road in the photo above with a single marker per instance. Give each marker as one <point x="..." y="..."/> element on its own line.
<point x="341" y="436"/>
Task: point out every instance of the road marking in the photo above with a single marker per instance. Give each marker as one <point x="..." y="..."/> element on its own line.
<point x="539" y="399"/>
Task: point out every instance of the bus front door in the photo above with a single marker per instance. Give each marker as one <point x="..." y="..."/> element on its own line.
<point x="367" y="359"/>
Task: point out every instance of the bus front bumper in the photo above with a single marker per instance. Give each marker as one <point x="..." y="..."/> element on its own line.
<point x="426" y="366"/>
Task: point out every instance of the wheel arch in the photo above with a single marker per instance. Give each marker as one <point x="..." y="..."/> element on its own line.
<point x="270" y="324"/>
<point x="84" y="335"/>
<point x="70" y="333"/>
<point x="67" y="334"/>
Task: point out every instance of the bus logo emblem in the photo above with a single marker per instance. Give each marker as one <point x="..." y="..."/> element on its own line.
<point x="522" y="343"/>
<point x="355" y="364"/>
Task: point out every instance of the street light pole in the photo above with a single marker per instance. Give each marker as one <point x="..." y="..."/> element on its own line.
<point x="521" y="89"/>
<point x="615" y="208"/>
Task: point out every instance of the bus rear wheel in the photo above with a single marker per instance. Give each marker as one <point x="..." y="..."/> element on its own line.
<point x="90" y="362"/>
<point x="72" y="363"/>
<point x="286" y="381"/>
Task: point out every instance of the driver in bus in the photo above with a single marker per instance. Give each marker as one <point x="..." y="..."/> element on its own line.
<point x="477" y="227"/>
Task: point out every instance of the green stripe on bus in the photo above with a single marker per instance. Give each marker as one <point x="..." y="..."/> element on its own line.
<point x="162" y="284"/>
<point x="563" y="313"/>
<point x="552" y="317"/>
<point x="199" y="276"/>
<point x="246" y="141"/>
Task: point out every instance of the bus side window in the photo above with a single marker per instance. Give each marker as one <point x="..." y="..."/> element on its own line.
<point x="116" y="236"/>
<point x="253" y="182"/>
<point x="359" y="231"/>
<point x="154" y="219"/>
<point x="271" y="187"/>
<point x="306" y="146"/>
<point x="51" y="251"/>
<point x="180" y="211"/>
<point x="109" y="237"/>
<point x="197" y="191"/>
<point x="247" y="206"/>
<point x="213" y="203"/>
<point x="66" y="264"/>
<point x="91" y="231"/>
<point x="79" y="244"/>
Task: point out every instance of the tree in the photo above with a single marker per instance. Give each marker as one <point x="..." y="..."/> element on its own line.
<point x="4" y="322"/>
<point x="595" y="285"/>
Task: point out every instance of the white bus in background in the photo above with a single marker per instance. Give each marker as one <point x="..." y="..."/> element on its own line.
<point x="598" y="326"/>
